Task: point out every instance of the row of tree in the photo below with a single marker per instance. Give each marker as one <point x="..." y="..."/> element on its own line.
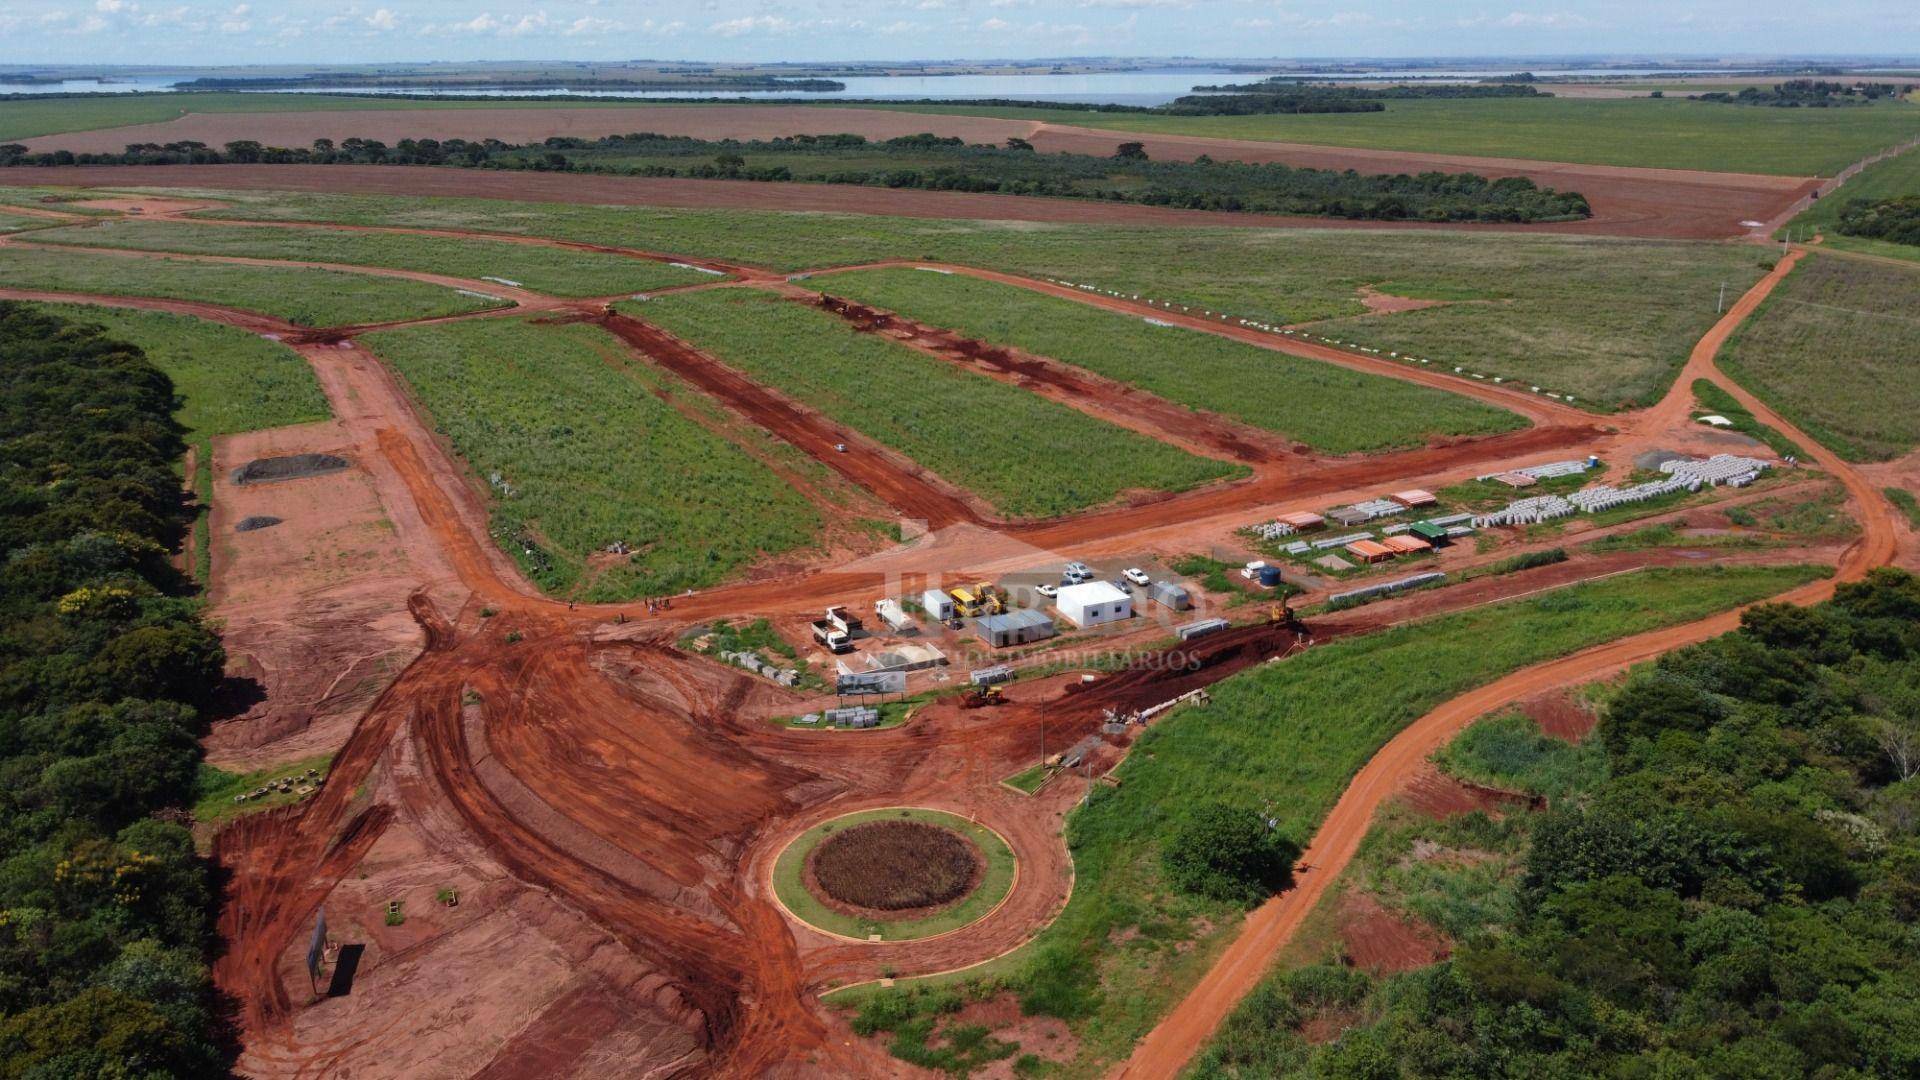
<point x="1893" y="220"/>
<point x="926" y="162"/>
<point x="1810" y="93"/>
<point x="1739" y="897"/>
<point x="106" y="912"/>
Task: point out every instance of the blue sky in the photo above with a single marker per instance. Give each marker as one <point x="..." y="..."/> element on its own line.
<point x="184" y="31"/>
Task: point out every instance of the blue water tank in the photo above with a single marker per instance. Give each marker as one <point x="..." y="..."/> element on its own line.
<point x="1270" y="576"/>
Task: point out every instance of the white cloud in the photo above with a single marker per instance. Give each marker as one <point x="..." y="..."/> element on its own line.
<point x="383" y="19"/>
<point x="753" y="24"/>
<point x="994" y="26"/>
<point x="236" y="21"/>
<point x="586" y="24"/>
<point x="1530" y="20"/>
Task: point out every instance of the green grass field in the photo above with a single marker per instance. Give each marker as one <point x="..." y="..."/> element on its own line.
<point x="10" y="223"/>
<point x="304" y="297"/>
<point x="1609" y="321"/>
<point x="1027" y="456"/>
<point x="556" y="271"/>
<point x="994" y="883"/>
<point x="1286" y="738"/>
<point x="227" y="380"/>
<point x="1833" y="349"/>
<point x="587" y="455"/>
<point x="32" y="117"/>
<point x="38" y="197"/>
<point x="1670" y="133"/>
<point x="1889" y="179"/>
<point x="1328" y="407"/>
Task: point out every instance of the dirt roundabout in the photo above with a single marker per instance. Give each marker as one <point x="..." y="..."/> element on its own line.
<point x="894" y="874"/>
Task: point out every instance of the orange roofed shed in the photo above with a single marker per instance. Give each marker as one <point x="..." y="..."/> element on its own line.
<point x="1302" y="520"/>
<point x="1370" y="551"/>
<point x="1406" y="545"/>
<point x="1414" y="497"/>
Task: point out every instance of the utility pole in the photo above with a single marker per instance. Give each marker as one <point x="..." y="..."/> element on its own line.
<point x="1722" y="305"/>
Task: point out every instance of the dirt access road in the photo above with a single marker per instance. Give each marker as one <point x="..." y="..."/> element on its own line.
<point x="605" y="768"/>
<point x="1167" y="1049"/>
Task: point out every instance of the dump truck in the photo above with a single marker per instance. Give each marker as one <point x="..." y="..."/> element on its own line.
<point x="835" y="638"/>
<point x="844" y="620"/>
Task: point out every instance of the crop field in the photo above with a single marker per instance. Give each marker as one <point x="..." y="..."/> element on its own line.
<point x="1609" y="321"/>
<point x="557" y="271"/>
<point x="1287" y="738"/>
<point x="586" y="456"/>
<point x="28" y="117"/>
<point x="1833" y="349"/>
<point x="1670" y="133"/>
<point x="1027" y="456"/>
<point x="301" y="296"/>
<point x="1889" y="179"/>
<point x="1328" y="407"/>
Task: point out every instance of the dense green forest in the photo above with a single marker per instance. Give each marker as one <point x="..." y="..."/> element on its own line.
<point x="105" y="666"/>
<point x="1893" y="220"/>
<point x="926" y="162"/>
<point x="1734" y="896"/>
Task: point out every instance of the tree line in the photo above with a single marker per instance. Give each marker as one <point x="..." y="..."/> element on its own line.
<point x="1810" y="93"/>
<point x="924" y="162"/>
<point x="106" y="670"/>
<point x="1737" y="896"/>
<point x="1896" y="221"/>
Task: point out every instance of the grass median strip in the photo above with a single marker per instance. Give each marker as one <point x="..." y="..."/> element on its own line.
<point x="301" y="296"/>
<point x="580" y="455"/>
<point x="1027" y="456"/>
<point x="1328" y="407"/>
<point x="556" y="271"/>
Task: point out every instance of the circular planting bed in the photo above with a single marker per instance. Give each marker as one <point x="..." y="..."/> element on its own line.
<point x="900" y="873"/>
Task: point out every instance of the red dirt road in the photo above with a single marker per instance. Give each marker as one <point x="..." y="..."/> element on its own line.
<point x="1169" y="1046"/>
<point x="636" y="784"/>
